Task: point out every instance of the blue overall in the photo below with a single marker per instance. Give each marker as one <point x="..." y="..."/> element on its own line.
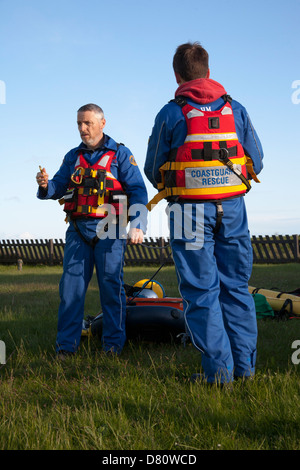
<point x="79" y="261"/>
<point x="213" y="281"/>
<point x="213" y="275"/>
<point x="107" y="256"/>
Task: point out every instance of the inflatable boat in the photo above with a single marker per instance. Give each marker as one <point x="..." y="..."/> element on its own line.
<point x="152" y="316"/>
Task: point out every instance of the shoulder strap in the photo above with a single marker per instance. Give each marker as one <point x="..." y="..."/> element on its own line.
<point x="180" y="100"/>
<point x="227" y="98"/>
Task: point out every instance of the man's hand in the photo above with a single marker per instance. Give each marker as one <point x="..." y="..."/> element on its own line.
<point x="42" y="178"/>
<point x="135" y="236"/>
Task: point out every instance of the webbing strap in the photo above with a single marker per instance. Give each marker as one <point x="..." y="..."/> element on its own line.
<point x="194" y="164"/>
<point x="250" y="170"/>
<point x="179" y="191"/>
<point x="92" y="242"/>
<point x="224" y="159"/>
<point x="158" y="197"/>
<point x="90" y="210"/>
<point x="220" y="214"/>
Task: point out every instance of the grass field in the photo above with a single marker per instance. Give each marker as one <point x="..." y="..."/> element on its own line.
<point x="142" y="400"/>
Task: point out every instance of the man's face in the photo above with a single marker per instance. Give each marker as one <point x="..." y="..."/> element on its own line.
<point x="90" y="128"/>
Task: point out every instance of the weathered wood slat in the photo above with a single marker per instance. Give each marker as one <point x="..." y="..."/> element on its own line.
<point x="257" y="252"/>
<point x="271" y="247"/>
<point x="286" y="247"/>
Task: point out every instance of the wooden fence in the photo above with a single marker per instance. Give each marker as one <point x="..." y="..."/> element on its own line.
<point x="266" y="249"/>
<point x="152" y="251"/>
<point x="276" y="249"/>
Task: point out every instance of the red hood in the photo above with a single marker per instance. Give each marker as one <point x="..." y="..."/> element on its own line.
<point x="201" y="90"/>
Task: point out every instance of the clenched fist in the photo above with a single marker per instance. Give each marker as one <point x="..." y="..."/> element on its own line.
<point x="42" y="178"/>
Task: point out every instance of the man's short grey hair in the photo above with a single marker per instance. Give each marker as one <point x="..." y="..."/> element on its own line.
<point x="92" y="107"/>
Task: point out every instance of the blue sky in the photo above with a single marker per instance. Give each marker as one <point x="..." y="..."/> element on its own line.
<point x="56" y="56"/>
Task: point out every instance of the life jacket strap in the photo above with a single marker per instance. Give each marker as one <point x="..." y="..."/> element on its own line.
<point x="220" y="214"/>
<point x="223" y="157"/>
<point x="250" y="170"/>
<point x="90" y="210"/>
<point x="91" y="242"/>
<point x="156" y="199"/>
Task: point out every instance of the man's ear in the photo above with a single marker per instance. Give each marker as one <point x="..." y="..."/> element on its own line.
<point x="179" y="79"/>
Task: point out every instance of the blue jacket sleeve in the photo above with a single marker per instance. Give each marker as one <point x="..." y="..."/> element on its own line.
<point x="248" y="136"/>
<point x="133" y="184"/>
<point x="168" y="132"/>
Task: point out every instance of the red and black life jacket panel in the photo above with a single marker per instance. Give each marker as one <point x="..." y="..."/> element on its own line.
<point x="91" y="187"/>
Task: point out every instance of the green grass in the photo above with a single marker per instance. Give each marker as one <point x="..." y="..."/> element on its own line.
<point x="142" y="399"/>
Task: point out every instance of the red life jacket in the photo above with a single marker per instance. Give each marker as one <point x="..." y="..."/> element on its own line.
<point x="211" y="164"/>
<point x="91" y="187"/>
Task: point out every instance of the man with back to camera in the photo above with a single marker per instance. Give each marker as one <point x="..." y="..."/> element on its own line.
<point x="93" y="179"/>
<point x="201" y="156"/>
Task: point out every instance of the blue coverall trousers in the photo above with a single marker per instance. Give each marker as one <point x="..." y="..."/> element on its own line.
<point x="79" y="262"/>
<point x="213" y="281"/>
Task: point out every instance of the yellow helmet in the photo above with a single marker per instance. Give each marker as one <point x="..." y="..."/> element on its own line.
<point x="153" y="285"/>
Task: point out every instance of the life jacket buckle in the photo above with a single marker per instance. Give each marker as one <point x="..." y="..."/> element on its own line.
<point x="77" y="176"/>
<point x="220" y="213"/>
<point x="100" y="186"/>
<point x="223" y="154"/>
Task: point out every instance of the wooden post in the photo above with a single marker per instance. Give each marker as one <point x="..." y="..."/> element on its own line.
<point x="51" y="252"/>
<point x="161" y="244"/>
<point x="20" y="264"/>
<point x="296" y="248"/>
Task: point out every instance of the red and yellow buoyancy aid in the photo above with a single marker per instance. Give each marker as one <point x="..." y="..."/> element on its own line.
<point x="91" y="187"/>
<point x="211" y="164"/>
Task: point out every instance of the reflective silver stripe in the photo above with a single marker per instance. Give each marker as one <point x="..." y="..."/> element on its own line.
<point x="226" y="110"/>
<point x="211" y="137"/>
<point x="194" y="113"/>
<point x="110" y="175"/>
<point x="103" y="161"/>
